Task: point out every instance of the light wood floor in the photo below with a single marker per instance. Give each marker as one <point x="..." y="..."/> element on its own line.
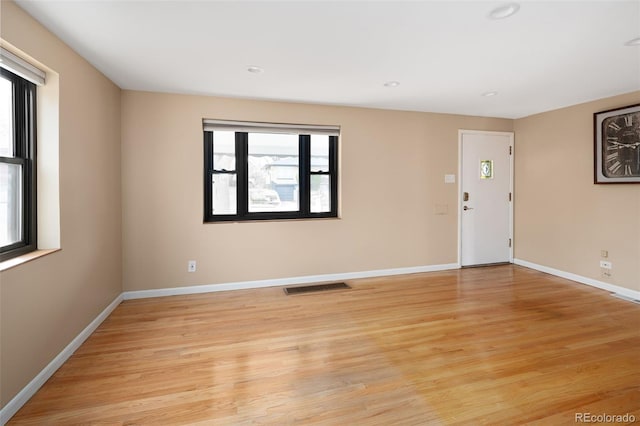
<point x="498" y="345"/>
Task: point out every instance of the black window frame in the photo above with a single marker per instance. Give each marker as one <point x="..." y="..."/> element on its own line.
<point x="24" y="142"/>
<point x="242" y="181"/>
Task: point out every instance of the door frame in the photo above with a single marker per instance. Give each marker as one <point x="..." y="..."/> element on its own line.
<point x="462" y="132"/>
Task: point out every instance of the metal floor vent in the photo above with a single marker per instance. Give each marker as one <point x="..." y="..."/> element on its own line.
<point x="315" y="288"/>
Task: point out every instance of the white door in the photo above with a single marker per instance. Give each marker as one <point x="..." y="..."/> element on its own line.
<point x="486" y="186"/>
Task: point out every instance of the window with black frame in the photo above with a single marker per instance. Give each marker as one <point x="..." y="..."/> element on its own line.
<point x="262" y="171"/>
<point x="17" y="165"/>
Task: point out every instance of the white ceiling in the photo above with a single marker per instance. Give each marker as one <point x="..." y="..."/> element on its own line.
<point x="445" y="54"/>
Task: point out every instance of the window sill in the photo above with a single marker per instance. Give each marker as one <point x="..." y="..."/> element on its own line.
<point x="28" y="257"/>
<point x="263" y="220"/>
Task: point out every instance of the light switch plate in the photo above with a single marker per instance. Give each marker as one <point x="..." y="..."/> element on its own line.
<point x="449" y="178"/>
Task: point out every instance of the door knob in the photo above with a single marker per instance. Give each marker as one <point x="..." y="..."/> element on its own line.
<point x="467" y="208"/>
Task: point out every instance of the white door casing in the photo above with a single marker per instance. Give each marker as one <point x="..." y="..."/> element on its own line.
<point x="485" y="233"/>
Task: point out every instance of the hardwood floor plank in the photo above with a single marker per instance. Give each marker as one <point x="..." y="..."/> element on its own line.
<point x="495" y="345"/>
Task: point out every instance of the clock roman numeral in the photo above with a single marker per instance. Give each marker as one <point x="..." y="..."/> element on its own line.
<point x="627" y="170"/>
<point x="628" y="120"/>
<point x="613" y="125"/>
<point x="612" y="157"/>
<point x="614" y="167"/>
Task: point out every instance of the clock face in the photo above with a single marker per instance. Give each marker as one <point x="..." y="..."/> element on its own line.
<point x="621" y="145"/>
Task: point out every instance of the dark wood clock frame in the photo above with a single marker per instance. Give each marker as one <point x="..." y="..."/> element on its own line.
<point x="616" y="145"/>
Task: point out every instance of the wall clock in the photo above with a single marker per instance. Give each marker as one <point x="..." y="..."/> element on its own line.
<point x="617" y="145"/>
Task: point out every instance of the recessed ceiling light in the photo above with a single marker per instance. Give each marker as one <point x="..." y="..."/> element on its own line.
<point x="255" y="70"/>
<point x="489" y="94"/>
<point x="392" y="84"/>
<point x="504" y="11"/>
<point x="633" y="42"/>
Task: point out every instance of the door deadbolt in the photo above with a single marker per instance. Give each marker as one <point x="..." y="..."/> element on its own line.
<point x="465" y="196"/>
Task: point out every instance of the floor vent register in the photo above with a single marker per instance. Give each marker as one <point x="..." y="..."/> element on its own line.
<point x="316" y="288"/>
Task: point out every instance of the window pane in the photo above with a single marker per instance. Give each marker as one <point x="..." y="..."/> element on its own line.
<point x="319" y="153"/>
<point x="224" y="193"/>
<point x="273" y="172"/>
<point x="320" y="194"/>
<point x="10" y="203"/>
<point x="6" y="118"/>
<point x="224" y="150"/>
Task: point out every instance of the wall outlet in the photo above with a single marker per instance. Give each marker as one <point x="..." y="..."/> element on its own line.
<point x="191" y="266"/>
<point x="606" y="265"/>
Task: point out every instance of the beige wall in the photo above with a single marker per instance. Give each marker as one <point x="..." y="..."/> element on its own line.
<point x="45" y="303"/>
<point x="392" y="176"/>
<point x="563" y="220"/>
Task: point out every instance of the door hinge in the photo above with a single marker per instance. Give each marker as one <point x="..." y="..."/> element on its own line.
<point x="510" y="150"/>
<point x="509" y="242"/>
<point x="509" y="196"/>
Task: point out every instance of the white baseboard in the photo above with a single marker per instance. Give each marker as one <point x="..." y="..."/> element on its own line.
<point x="633" y="294"/>
<point x="241" y="285"/>
<point x="28" y="391"/>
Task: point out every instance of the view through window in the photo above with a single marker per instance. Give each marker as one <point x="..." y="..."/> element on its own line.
<point x="17" y="165"/>
<point x="10" y="174"/>
<point x="269" y="175"/>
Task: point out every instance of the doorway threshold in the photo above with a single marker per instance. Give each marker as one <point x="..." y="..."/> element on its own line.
<point x="484" y="265"/>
